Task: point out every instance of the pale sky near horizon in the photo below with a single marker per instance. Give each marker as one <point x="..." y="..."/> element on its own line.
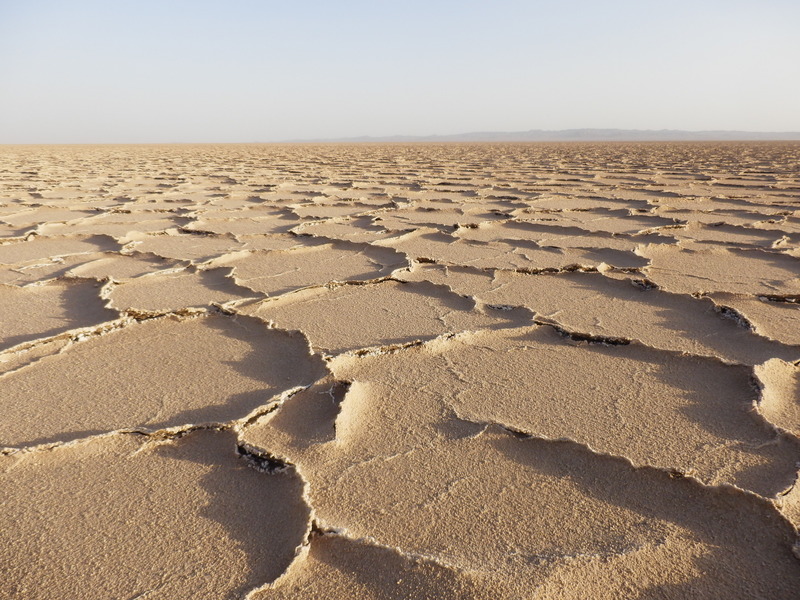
<point x="92" y="71"/>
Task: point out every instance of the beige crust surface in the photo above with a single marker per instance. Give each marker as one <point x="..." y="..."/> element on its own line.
<point x="400" y="371"/>
<point x="124" y="516"/>
<point x="162" y="372"/>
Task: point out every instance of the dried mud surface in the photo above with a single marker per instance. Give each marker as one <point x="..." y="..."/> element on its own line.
<point x="553" y="371"/>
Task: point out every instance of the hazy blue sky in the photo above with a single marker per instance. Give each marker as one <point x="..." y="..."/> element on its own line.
<point x="263" y="70"/>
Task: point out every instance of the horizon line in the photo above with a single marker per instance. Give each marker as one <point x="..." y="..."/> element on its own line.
<point x="530" y="135"/>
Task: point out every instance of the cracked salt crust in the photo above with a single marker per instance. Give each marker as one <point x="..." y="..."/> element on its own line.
<point x="176" y="290"/>
<point x="281" y="271"/>
<point x="46" y="310"/>
<point x="471" y="371"/>
<point x="159" y="373"/>
<point x="376" y="314"/>
<point x="144" y="517"/>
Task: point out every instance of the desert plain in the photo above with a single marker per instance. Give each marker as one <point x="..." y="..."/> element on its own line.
<point x="551" y="371"/>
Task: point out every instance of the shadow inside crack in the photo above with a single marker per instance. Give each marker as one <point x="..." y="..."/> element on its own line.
<point x="264" y="515"/>
<point x="41" y="312"/>
<point x="339" y="567"/>
<point x="746" y="544"/>
<point x="309" y="417"/>
<point x="684" y="317"/>
<point x="157" y="374"/>
<point x="699" y="409"/>
<point x="134" y="516"/>
<point x="276" y="361"/>
<point x="719" y="399"/>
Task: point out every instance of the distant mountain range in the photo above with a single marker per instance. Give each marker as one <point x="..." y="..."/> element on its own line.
<point x="580" y="135"/>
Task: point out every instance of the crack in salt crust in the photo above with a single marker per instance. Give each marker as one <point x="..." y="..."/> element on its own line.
<point x="400" y="371"/>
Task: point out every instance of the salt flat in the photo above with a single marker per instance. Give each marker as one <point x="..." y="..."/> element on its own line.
<point x="400" y="371"/>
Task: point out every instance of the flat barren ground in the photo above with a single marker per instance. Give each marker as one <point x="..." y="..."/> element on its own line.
<point x="400" y="371"/>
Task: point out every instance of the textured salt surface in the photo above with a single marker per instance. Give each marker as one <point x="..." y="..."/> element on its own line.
<point x="400" y="371"/>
